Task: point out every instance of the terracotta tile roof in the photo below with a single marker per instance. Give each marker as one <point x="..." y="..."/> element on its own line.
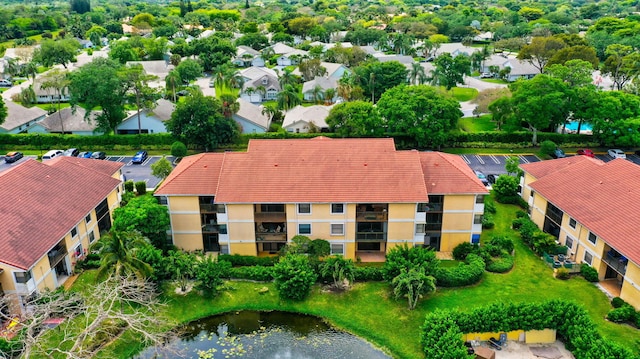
<point x="604" y="197"/>
<point x="46" y="202"/>
<point x="448" y="174"/>
<point x="194" y="175"/>
<point x="105" y="167"/>
<point x="543" y="168"/>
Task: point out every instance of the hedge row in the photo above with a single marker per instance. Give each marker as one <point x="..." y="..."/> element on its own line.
<point x="464" y="274"/>
<point x="164" y="140"/>
<point x="240" y="261"/>
<point x="442" y="330"/>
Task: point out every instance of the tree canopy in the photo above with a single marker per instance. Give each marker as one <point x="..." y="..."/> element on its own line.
<point x="52" y="52"/>
<point x="147" y="216"/>
<point x="377" y="77"/>
<point x="355" y="119"/>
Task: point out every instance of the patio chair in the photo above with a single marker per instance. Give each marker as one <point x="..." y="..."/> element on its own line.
<point x="495" y="343"/>
<point x="503" y="339"/>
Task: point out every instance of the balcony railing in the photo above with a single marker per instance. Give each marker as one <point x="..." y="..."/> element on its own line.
<point x="271" y="237"/>
<point x="56" y="255"/>
<point x="371" y="216"/>
<point x="371" y="236"/>
<point x="270" y="216"/>
<point x="208" y="207"/>
<point x="617" y="262"/>
<point x="210" y="228"/>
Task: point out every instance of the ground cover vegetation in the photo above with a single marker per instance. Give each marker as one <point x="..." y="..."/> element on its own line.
<point x="563" y="90"/>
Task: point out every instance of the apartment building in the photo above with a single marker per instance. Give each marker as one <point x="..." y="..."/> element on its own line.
<point x="588" y="205"/>
<point x="50" y="214"/>
<point x="362" y="195"/>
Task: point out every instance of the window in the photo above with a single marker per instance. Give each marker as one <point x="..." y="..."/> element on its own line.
<point x="568" y="242"/>
<point x="477" y="219"/>
<point x="78" y="253"/>
<point x="532" y="193"/>
<point x="224" y="249"/>
<point x="422" y="207"/>
<point x="480" y="199"/>
<point x="74" y="232"/>
<point x="592" y="238"/>
<point x="572" y="223"/>
<point x="92" y="237"/>
<point x="22" y="277"/>
<point x="304" y="208"/>
<point x="588" y="257"/>
<point x="87" y="219"/>
<point x="304" y="228"/>
<point x="337" y="229"/>
<point x="220" y="208"/>
<point x="279" y="208"/>
<point x="337" y="248"/>
<point x="337" y="208"/>
<point x="222" y="229"/>
<point x="420" y="228"/>
<point x="163" y="200"/>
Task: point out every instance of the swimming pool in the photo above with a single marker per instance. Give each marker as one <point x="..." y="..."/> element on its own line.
<point x="573" y="126"/>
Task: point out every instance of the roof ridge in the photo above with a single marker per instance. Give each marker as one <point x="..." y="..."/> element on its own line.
<point x="177" y="173"/>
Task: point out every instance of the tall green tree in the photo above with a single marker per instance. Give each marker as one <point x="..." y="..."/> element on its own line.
<point x="140" y="93"/>
<point x="412" y="284"/>
<point x="377" y="77"/>
<point x="341" y="270"/>
<point x="56" y="80"/>
<point x="145" y="215"/>
<point x="189" y="70"/>
<point x="52" y="52"/>
<point x="294" y="276"/>
<point x="198" y="120"/>
<point x="288" y="98"/>
<point x="622" y="64"/>
<point x="539" y="103"/>
<point x="100" y="83"/>
<point x="417" y="76"/>
<point x="95" y="34"/>
<point x="117" y="255"/>
<point x="355" y="119"/>
<point x="123" y="52"/>
<point x="540" y="51"/>
<point x="3" y="111"/>
<point x="421" y="112"/>
<point x="450" y="71"/>
<point x="162" y="168"/>
<point x="213" y="51"/>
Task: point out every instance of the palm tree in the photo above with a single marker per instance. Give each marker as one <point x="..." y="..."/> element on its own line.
<point x="288" y="98"/>
<point x="267" y="53"/>
<point x="12" y="67"/>
<point x="144" y="96"/>
<point x="250" y="91"/>
<point x="262" y="90"/>
<point x="317" y="93"/>
<point x="329" y="95"/>
<point x="173" y="80"/>
<point x="412" y="284"/>
<point x="270" y="110"/>
<point x="30" y="69"/>
<point x="287" y="78"/>
<point x="58" y="82"/>
<point x="117" y="251"/>
<point x="416" y="74"/>
<point x="229" y="105"/>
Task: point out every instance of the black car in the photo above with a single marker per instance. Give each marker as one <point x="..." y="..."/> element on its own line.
<point x="140" y="157"/>
<point x="99" y="155"/>
<point x="72" y="152"/>
<point x="492" y="178"/>
<point x="12" y="157"/>
<point x="482" y="177"/>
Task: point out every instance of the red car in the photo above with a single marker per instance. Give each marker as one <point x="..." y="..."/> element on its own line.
<point x="586" y="152"/>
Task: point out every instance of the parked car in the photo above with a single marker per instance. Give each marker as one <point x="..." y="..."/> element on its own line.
<point x="482" y="177"/>
<point x="12" y="157"/>
<point x="99" y="155"/>
<point x="586" y="152"/>
<point x="5" y="83"/>
<point x="558" y="153"/>
<point x="51" y="154"/>
<point x="485" y="75"/>
<point x="492" y="178"/>
<point x="71" y="152"/>
<point x="85" y="154"/>
<point x="616" y="153"/>
<point x="140" y="157"/>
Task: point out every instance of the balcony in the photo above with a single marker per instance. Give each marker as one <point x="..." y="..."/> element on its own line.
<point x="208" y="208"/>
<point x="616" y="261"/>
<point x="270" y="216"/>
<point x="371" y="216"/>
<point x="371" y="236"/>
<point x="211" y="228"/>
<point x="271" y="237"/>
<point x="55" y="255"/>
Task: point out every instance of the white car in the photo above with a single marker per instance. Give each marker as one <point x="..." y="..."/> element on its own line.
<point x="616" y="153"/>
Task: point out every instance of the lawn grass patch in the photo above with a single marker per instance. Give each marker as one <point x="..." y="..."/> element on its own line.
<point x="477" y="124"/>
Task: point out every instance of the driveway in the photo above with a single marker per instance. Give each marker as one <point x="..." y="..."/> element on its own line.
<point x="481" y="85"/>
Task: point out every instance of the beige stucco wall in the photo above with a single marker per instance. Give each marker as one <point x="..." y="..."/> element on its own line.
<point x="631" y="286"/>
<point x="450" y="240"/>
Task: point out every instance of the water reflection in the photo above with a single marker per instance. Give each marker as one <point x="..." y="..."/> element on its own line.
<point x="264" y="335"/>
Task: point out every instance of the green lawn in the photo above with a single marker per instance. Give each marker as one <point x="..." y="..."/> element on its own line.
<point x="476" y="124"/>
<point x="54" y="106"/>
<point x="496" y="81"/>
<point x="461" y="93"/>
<point x="36" y="38"/>
<point x="369" y="310"/>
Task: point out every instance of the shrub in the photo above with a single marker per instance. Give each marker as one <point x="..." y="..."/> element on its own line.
<point x="506" y="189"/>
<point x="319" y="248"/>
<point x="589" y="273"/>
<point x="294" y="276"/>
<point x="128" y="186"/>
<point x="339" y="270"/>
<point x="490" y="207"/>
<point x="548" y="147"/>
<point x="141" y="187"/>
<point x="624" y="314"/>
<point x="502" y="242"/>
<point x="257" y="273"/>
<point x="405" y="257"/>
<point x="487" y="221"/>
<point x="364" y="274"/>
<point x="237" y="260"/>
<point x="178" y="149"/>
<point x="155" y="258"/>
<point x="521" y="214"/>
<point x="464" y="274"/>
<point x="617" y="302"/>
<point x="502" y="264"/>
<point x="562" y="273"/>
<point x="462" y="250"/>
<point x="210" y="273"/>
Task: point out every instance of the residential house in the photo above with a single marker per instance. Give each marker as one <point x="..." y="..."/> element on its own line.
<point x="151" y="120"/>
<point x="280" y="48"/>
<point x="334" y="71"/>
<point x="159" y="68"/>
<point x="85" y="44"/>
<point x="455" y="49"/>
<point x="49" y="95"/>
<point x="250" y="117"/>
<point x="301" y="119"/>
<point x="406" y="60"/>
<point x="46" y="228"/>
<point x="362" y="195"/>
<point x="246" y="56"/>
<point x="483" y="37"/>
<point x="291" y="58"/>
<point x="589" y="206"/>
<point x="67" y="121"/>
<point x="20" y="118"/>
<point x="324" y="83"/>
<point x="518" y="68"/>
<point x="260" y="84"/>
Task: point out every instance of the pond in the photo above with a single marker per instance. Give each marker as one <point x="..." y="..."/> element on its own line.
<point x="264" y="335"/>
